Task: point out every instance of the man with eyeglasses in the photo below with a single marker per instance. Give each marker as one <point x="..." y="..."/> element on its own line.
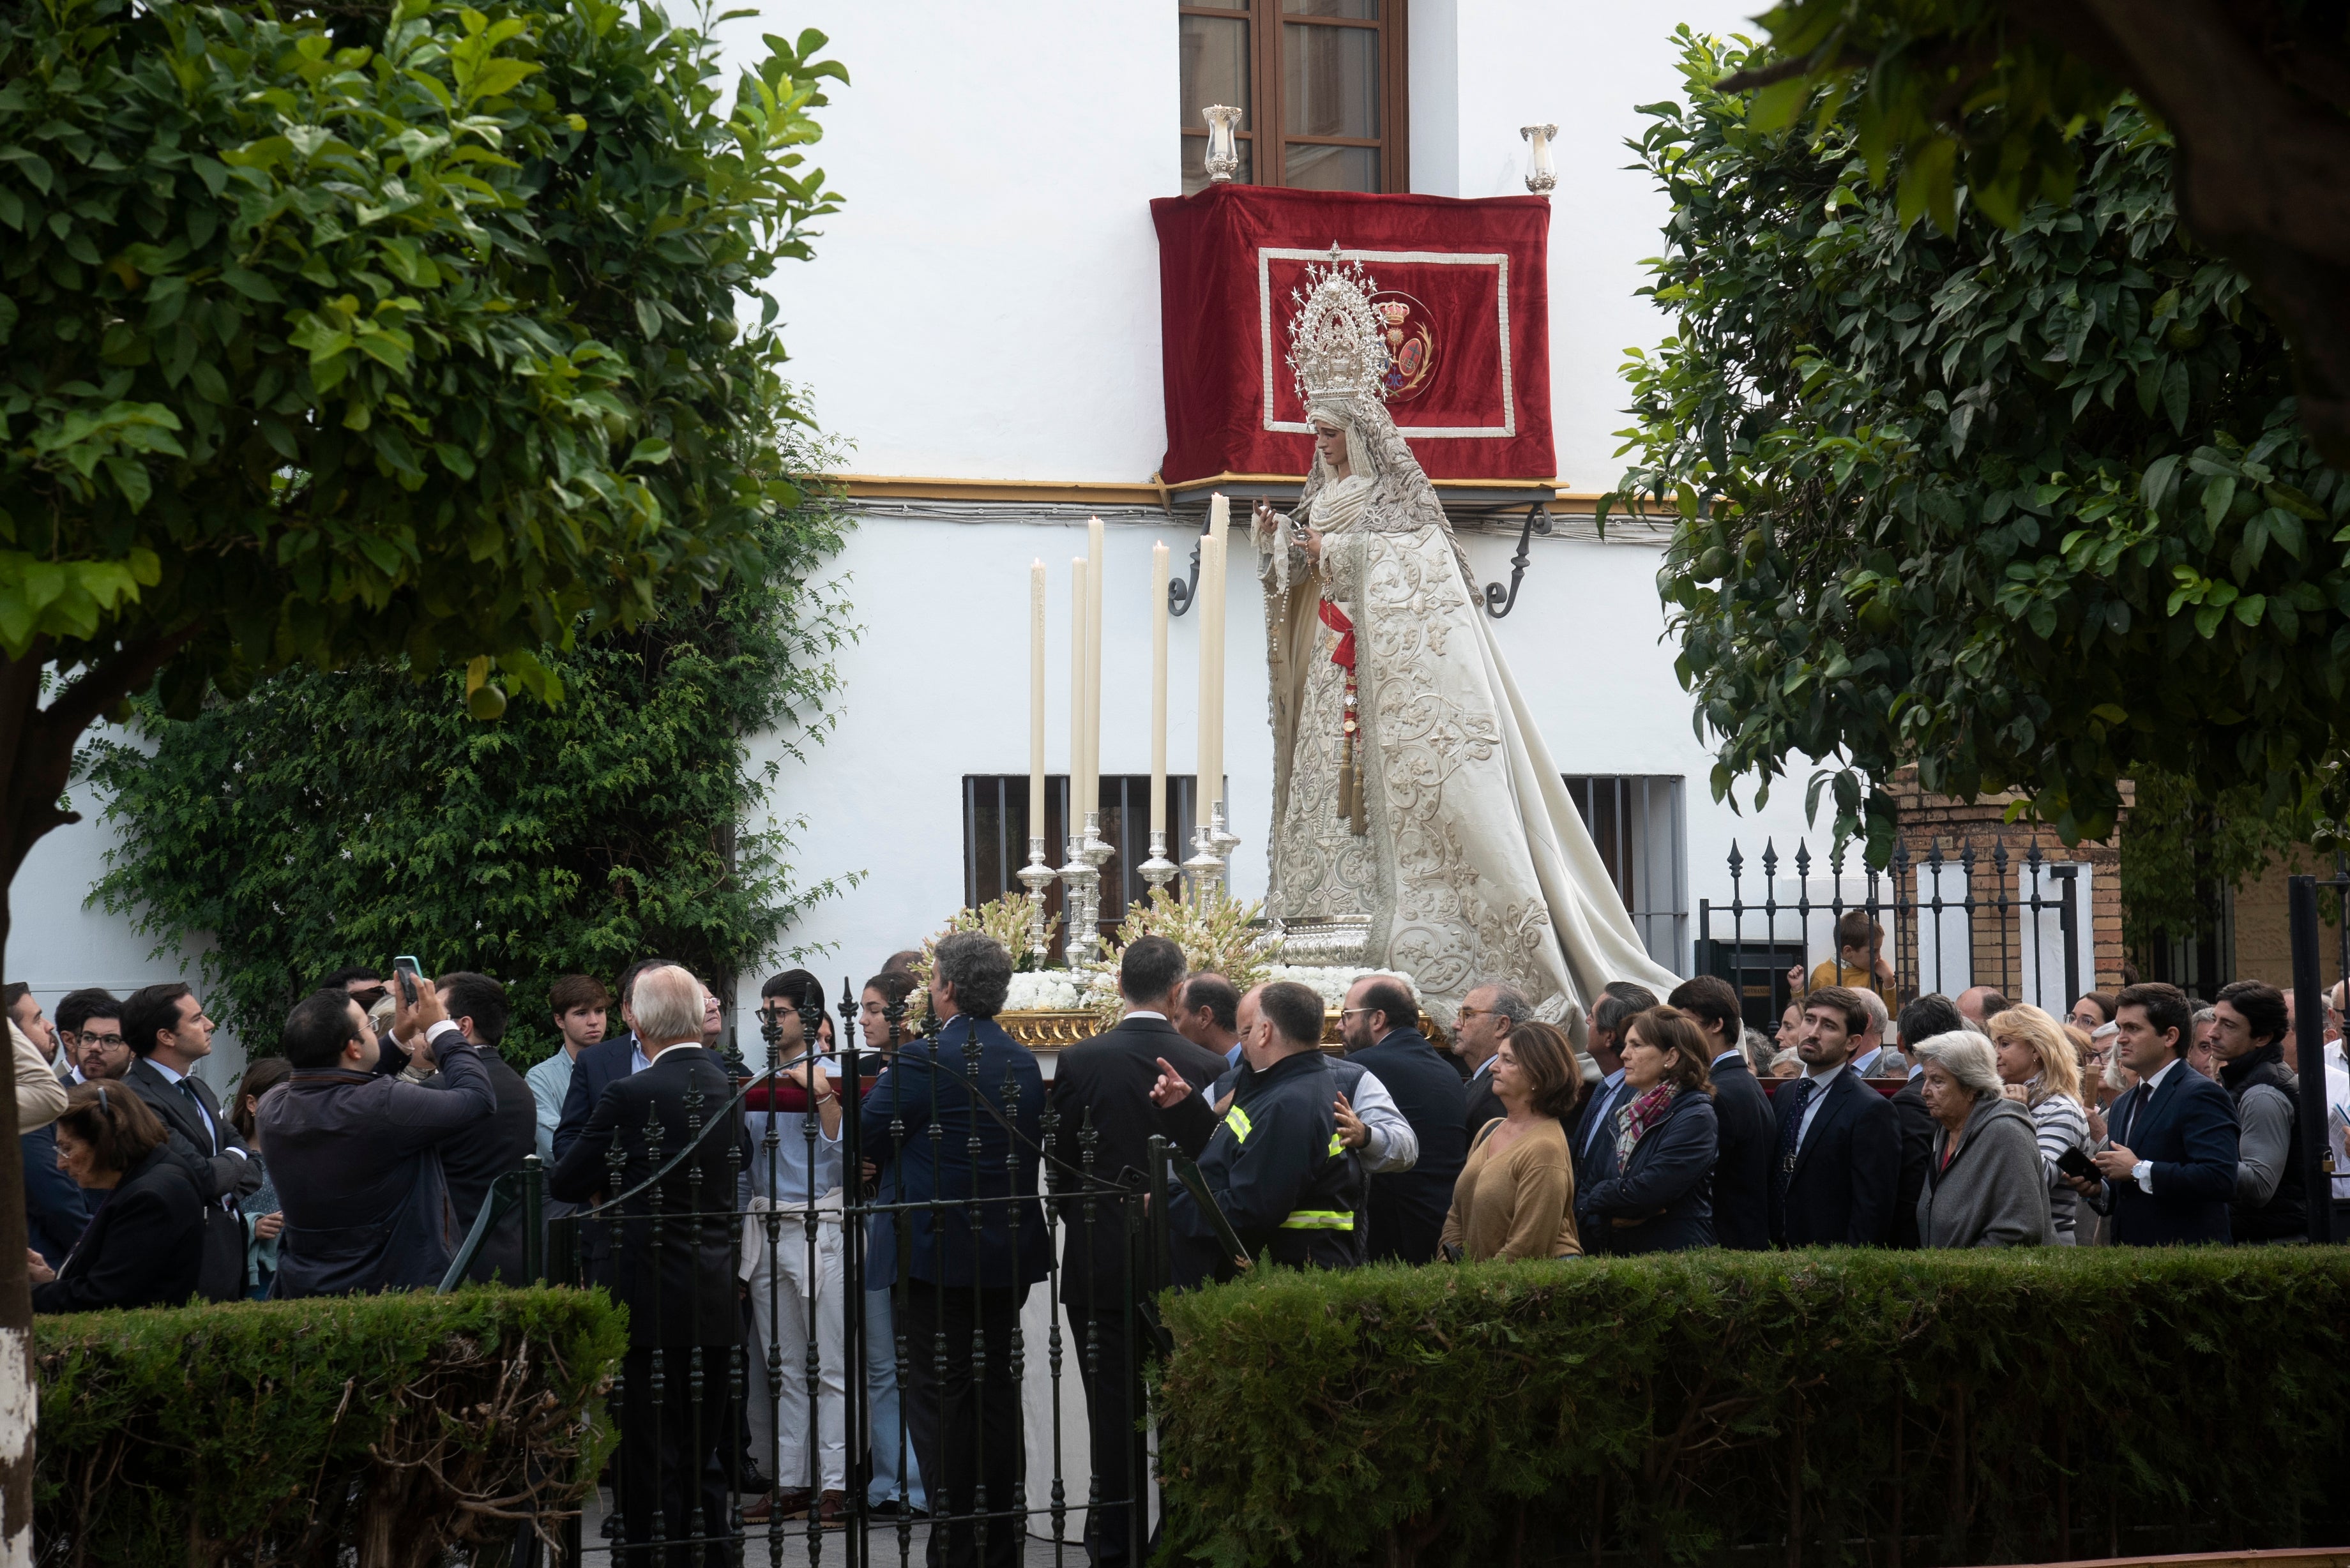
<point x="1487" y="1014"/>
<point x="89" y="1025"/>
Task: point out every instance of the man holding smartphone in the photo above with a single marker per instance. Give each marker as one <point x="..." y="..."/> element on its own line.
<point x="2171" y="1170"/>
<point x="355" y="1155"/>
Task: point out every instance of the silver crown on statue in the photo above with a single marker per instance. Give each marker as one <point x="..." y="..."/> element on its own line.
<point x="1337" y="339"/>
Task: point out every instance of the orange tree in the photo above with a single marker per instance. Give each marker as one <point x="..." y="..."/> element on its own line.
<point x="2028" y="504"/>
<point x="1985" y="101"/>
<point x="363" y="333"/>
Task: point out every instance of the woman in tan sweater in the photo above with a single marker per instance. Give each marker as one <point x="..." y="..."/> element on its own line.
<point x="1515" y="1197"/>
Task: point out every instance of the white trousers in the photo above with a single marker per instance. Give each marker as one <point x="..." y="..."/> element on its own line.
<point x="788" y="1307"/>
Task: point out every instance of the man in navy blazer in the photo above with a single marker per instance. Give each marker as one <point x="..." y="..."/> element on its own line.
<point x="962" y="1275"/>
<point x="2171" y="1167"/>
<point x="1837" y="1163"/>
<point x="1745" y="1132"/>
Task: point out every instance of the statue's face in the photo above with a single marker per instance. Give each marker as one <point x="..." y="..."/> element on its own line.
<point x="1330" y="446"/>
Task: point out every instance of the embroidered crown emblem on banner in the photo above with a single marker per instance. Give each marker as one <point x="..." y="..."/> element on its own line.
<point x="1411" y="340"/>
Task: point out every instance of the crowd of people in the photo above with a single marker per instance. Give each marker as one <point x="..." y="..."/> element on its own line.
<point x="361" y="1158"/>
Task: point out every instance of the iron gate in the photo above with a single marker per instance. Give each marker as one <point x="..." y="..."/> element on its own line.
<point x="1950" y="920"/>
<point x="2310" y="1044"/>
<point x="696" y="1404"/>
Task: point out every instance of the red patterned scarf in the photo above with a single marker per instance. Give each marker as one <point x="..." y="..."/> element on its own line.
<point x="1633" y="1122"/>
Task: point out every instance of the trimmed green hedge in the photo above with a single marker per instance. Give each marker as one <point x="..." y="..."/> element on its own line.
<point x="1808" y="1407"/>
<point x="287" y="1432"/>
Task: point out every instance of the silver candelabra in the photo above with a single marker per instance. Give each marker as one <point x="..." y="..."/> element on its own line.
<point x="1158" y="870"/>
<point x="1210" y="865"/>
<point x="1036" y="876"/>
<point x="1096" y="855"/>
<point x="1076" y="920"/>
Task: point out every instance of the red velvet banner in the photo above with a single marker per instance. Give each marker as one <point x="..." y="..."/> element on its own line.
<point x="1464" y="288"/>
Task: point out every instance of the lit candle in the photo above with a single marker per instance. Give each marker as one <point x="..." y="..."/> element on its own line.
<point x="1094" y="576"/>
<point x="1035" y="699"/>
<point x="1159" y="688"/>
<point x="1076" y="822"/>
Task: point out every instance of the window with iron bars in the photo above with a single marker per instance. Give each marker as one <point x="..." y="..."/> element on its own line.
<point x="1638" y="823"/>
<point x="995" y="837"/>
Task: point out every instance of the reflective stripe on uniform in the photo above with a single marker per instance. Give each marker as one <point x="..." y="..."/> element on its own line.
<point x="1337" y="1146"/>
<point x="1319" y="1220"/>
<point x="1237" y="1119"/>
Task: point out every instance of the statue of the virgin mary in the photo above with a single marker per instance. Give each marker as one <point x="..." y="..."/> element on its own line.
<point x="1419" y="822"/>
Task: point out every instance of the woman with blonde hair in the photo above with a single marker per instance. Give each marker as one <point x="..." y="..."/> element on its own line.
<point x="1515" y="1197"/>
<point x="2040" y="1069"/>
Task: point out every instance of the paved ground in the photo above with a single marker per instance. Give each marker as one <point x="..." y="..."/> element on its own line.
<point x="884" y="1549"/>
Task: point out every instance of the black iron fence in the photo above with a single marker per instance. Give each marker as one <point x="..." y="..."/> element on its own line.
<point x="833" y="1291"/>
<point x="2315" y="1101"/>
<point x="1942" y="920"/>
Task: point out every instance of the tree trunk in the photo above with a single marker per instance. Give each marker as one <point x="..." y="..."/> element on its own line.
<point x="36" y="749"/>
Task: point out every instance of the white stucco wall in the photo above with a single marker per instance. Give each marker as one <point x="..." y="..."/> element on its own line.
<point x="1581" y="66"/>
<point x="985" y="305"/>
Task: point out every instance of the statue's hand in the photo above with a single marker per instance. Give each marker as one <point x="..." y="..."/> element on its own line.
<point x="1310" y="540"/>
<point x="1266" y="518"/>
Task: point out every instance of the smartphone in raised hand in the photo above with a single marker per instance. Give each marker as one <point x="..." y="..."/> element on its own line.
<point x="404" y="970"/>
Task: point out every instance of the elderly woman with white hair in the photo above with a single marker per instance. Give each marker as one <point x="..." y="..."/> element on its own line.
<point x="1983" y="1183"/>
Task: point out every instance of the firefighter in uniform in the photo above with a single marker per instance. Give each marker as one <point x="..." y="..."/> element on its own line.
<point x="1274" y="1161"/>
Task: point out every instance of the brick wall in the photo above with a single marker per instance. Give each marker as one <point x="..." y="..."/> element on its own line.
<point x="2263" y="935"/>
<point x="1931" y="822"/>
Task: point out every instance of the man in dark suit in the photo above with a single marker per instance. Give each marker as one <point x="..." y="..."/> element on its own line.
<point x="1595" y="1123"/>
<point x="2171" y="1167"/>
<point x="1741" y="1114"/>
<point x="166" y="1031"/>
<point x="475" y="1158"/>
<point x="1837" y="1163"/>
<point x="674" y="1260"/>
<point x="602" y="1065"/>
<point x="1379" y="1025"/>
<point x="971" y="1251"/>
<point x="1923" y="1018"/>
<point x="1488" y="1013"/>
<point x="1104" y="1085"/>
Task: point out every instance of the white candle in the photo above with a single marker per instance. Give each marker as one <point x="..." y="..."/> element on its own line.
<point x="1036" y="698"/>
<point x="1077" y="821"/>
<point x="1094" y="576"/>
<point x="1159" y="688"/>
<point x="1211" y="628"/>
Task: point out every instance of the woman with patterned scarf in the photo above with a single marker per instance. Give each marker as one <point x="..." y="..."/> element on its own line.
<point x="1652" y="1188"/>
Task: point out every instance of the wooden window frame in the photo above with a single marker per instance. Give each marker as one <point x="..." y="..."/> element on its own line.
<point x="1269" y="145"/>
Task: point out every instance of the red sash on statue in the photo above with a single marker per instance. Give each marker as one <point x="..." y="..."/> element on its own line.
<point x="1342" y="656"/>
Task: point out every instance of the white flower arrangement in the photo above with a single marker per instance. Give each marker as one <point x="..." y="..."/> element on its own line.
<point x="1044" y="990"/>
